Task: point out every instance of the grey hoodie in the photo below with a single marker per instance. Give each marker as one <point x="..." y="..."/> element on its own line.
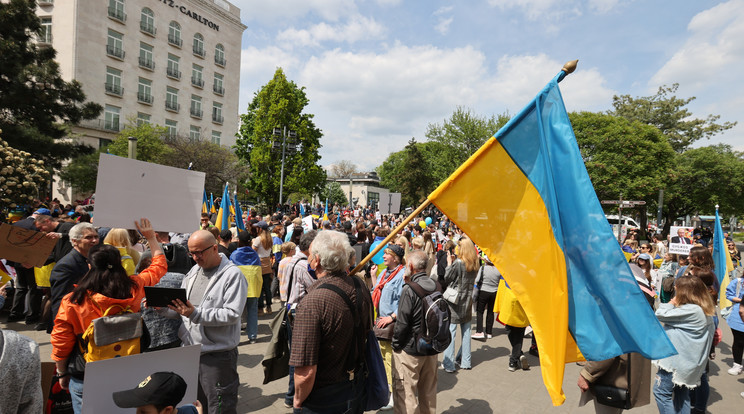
<point x="215" y="324"/>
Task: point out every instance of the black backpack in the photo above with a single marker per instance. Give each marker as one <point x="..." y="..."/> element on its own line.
<point x="435" y="320"/>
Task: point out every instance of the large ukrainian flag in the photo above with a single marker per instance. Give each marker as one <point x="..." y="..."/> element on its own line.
<point x="223" y="221"/>
<point x="526" y="199"/>
<point x="722" y="261"/>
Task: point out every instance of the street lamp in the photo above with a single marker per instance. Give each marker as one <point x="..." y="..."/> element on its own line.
<point x="284" y="147"/>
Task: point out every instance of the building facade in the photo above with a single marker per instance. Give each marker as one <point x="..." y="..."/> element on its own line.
<point x="174" y="63"/>
<point x="365" y="190"/>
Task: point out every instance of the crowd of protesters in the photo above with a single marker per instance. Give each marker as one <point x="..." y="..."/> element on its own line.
<point x="277" y="265"/>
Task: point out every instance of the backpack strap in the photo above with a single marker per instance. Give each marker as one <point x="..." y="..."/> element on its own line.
<point x="420" y="292"/>
<point x="351" y="362"/>
<point x="290" y="282"/>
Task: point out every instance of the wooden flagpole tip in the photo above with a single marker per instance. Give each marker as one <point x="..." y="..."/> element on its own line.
<point x="569" y="67"/>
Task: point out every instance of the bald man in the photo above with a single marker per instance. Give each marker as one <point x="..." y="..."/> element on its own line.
<point x="216" y="291"/>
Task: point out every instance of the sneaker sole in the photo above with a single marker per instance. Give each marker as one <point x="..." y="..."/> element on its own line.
<point x="524" y="363"/>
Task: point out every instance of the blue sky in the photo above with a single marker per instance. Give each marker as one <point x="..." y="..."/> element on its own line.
<point x="377" y="72"/>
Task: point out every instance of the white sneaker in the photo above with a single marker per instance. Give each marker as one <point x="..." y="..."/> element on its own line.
<point x="478" y="335"/>
<point x="736" y="369"/>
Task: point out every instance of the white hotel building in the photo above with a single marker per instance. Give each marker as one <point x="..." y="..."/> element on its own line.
<point x="174" y="63"/>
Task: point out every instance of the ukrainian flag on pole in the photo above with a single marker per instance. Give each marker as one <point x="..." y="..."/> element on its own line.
<point x="205" y="203"/>
<point x="325" y="215"/>
<point x="722" y="260"/>
<point x="526" y="199"/>
<point x="223" y="214"/>
<point x="212" y="208"/>
<point x="239" y="223"/>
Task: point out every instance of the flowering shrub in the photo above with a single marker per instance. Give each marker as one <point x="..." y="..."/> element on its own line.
<point x="21" y="177"/>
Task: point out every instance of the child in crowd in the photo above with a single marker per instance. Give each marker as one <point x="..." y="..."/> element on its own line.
<point x="159" y="393"/>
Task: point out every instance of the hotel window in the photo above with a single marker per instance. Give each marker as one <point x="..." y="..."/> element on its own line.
<point x="171" y="127"/>
<point x="217" y="113"/>
<point x="113" y="82"/>
<point x="114" y="44"/>
<point x="219" y="55"/>
<point x="174" y="34"/>
<point x="116" y="10"/>
<point x="216" y="135"/>
<point x="144" y="91"/>
<point x="171" y="99"/>
<point x="196" y="106"/>
<point x="172" y="69"/>
<point x="194" y="133"/>
<point x="199" y="45"/>
<point x="147" y="21"/>
<point x="145" y="57"/>
<point x="111" y="118"/>
<point x="197" y="76"/>
<point x="218" y="86"/>
<point x="45" y="36"/>
<point x="142" y="118"/>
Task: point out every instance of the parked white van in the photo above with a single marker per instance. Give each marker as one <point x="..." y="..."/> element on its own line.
<point x="623" y="224"/>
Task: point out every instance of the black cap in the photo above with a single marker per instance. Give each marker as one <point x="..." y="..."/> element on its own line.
<point x="397" y="250"/>
<point x="347" y="225"/>
<point x="160" y="388"/>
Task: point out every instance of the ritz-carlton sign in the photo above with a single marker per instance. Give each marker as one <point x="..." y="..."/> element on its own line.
<point x="194" y="15"/>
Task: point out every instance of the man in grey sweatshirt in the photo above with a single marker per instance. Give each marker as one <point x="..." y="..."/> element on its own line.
<point x="216" y="292"/>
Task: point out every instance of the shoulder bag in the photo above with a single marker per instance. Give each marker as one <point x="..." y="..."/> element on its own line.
<point x="613" y="396"/>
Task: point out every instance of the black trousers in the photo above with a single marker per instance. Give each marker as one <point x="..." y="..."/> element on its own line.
<point x="516" y="338"/>
<point x="737" y="348"/>
<point x="25" y="289"/>
<point x="485" y="304"/>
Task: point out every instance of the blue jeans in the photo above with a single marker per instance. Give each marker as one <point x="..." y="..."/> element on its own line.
<point x="251" y="309"/>
<point x="670" y="398"/>
<point x="76" y="392"/>
<point x="463" y="354"/>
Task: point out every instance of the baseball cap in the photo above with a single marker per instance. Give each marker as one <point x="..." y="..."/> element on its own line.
<point x="43" y="211"/>
<point x="160" y="388"/>
<point x="262" y="225"/>
<point x="644" y="256"/>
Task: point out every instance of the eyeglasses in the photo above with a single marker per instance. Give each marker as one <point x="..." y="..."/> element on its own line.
<point x="201" y="252"/>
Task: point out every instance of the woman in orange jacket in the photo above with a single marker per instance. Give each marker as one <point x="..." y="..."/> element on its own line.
<point x="105" y="284"/>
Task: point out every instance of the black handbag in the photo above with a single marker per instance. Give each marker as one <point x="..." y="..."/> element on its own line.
<point x="613" y="396"/>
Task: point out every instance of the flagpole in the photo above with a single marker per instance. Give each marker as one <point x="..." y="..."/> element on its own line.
<point x="568" y="68"/>
<point x="391" y="235"/>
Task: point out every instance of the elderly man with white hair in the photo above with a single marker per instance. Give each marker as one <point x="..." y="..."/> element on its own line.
<point x="326" y="347"/>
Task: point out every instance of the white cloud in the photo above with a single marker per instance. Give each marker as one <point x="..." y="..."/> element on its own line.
<point x="443" y="25"/>
<point x="443" y="10"/>
<point x="555" y="9"/>
<point x="356" y="28"/>
<point x="712" y="50"/>
<point x="274" y="11"/>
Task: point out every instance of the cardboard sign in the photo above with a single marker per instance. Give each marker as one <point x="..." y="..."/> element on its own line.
<point x="127" y="190"/>
<point x="103" y="378"/>
<point x="25" y="246"/>
<point x="680" y="240"/>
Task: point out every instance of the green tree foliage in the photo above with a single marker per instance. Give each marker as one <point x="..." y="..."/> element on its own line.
<point x="464" y="132"/>
<point x="82" y="172"/>
<point x="219" y="163"/>
<point x="408" y="173"/>
<point x="703" y="177"/>
<point x="668" y="113"/>
<point x="279" y="104"/>
<point x="335" y="194"/>
<point x="151" y="146"/>
<point x="36" y="105"/>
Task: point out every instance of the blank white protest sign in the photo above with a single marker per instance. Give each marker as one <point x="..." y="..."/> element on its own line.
<point x="127" y="190"/>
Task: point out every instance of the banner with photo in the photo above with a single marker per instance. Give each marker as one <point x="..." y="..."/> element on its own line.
<point x="680" y="240"/>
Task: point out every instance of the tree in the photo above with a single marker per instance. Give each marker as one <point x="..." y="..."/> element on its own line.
<point x="464" y="132"/>
<point x="219" y="163"/>
<point x="21" y="177"/>
<point x="342" y="169"/>
<point x="413" y="176"/>
<point x="279" y="104"/>
<point x="82" y="171"/>
<point x="36" y="105"/>
<point x="668" y="113"/>
<point x="623" y="158"/>
<point x="703" y="177"/>
<point x="335" y="194"/>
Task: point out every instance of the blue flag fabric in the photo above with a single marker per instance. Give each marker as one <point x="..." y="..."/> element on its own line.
<point x="239" y="223"/>
<point x="719" y="250"/>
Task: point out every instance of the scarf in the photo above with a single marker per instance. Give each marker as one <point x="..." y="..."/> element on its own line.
<point x="377" y="293"/>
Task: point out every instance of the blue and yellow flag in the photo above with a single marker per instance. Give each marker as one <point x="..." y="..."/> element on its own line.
<point x="205" y="203"/>
<point x="223" y="214"/>
<point x="239" y="223"/>
<point x="722" y="260"/>
<point x="212" y="208"/>
<point x="526" y="199"/>
<point x="325" y="215"/>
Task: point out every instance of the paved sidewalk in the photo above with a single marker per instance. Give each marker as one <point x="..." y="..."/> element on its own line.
<point x="488" y="388"/>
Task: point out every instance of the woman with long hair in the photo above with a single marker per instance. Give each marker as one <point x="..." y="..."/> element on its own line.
<point x="106" y="284"/>
<point x="688" y="322"/>
<point x="460" y="274"/>
<point x="262" y="245"/>
<point x="120" y="239"/>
